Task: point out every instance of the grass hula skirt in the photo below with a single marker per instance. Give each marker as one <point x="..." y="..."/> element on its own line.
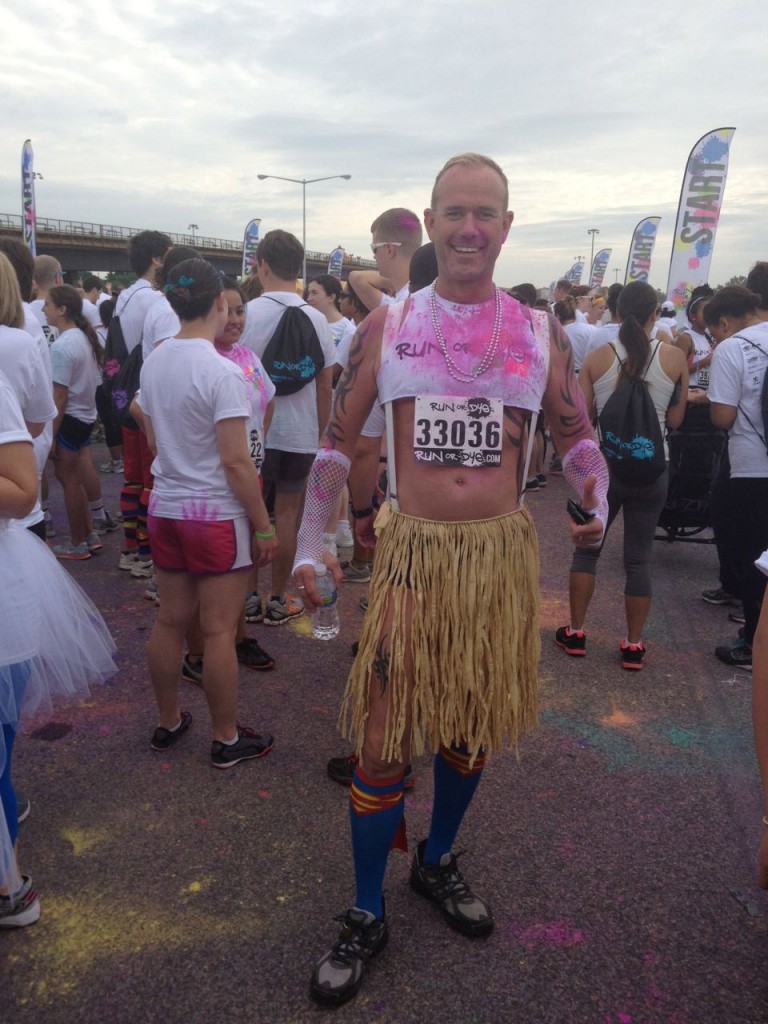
<point x="468" y="594"/>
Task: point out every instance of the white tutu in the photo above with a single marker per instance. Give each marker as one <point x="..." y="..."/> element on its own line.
<point x="54" y="635"/>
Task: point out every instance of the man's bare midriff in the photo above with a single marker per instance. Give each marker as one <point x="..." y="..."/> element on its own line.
<point x="446" y="493"/>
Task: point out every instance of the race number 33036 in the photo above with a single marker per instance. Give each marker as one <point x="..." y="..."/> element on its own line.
<point x="451" y="431"/>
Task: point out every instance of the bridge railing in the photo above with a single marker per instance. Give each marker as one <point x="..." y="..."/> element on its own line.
<point x="113" y="233"/>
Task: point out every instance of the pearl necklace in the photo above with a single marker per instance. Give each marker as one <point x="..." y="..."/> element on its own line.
<point x="456" y="372"/>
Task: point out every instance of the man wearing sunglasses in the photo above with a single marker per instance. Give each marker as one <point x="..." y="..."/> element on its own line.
<point x="395" y="237"/>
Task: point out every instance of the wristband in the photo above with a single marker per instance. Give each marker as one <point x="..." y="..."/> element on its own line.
<point x="361" y="513"/>
<point x="264" y="536"/>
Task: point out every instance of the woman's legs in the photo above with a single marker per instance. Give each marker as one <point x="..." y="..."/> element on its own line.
<point x="69" y="473"/>
<point x="221" y="603"/>
<point x="642" y="508"/>
<point x="581" y="581"/>
<point x="165" y="648"/>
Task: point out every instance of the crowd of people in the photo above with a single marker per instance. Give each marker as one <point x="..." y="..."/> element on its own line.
<point x="401" y="417"/>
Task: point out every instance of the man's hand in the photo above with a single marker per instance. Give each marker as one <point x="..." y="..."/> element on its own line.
<point x="591" y="534"/>
<point x="306" y="581"/>
<point x="364" y="532"/>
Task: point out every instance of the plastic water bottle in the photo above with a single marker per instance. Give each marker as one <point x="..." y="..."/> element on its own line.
<point x="325" y="621"/>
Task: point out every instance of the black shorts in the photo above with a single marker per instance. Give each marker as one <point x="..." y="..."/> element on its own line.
<point x="73" y="434"/>
<point x="288" y="471"/>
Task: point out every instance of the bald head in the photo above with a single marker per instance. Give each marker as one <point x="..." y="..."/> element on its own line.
<point x="47" y="270"/>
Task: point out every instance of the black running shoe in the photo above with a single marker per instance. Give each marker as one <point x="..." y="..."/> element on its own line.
<point x="252" y="654"/>
<point x="341" y="770"/>
<point x="192" y="671"/>
<point x="339" y="975"/>
<point x="739" y="655"/>
<point x="444" y="885"/>
<point x="573" y="641"/>
<point x="249" y="745"/>
<point x="632" y="655"/>
<point x="164" y="739"/>
<point x="720" y="596"/>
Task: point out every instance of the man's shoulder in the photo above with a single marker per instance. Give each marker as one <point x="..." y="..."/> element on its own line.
<point x="143" y="292"/>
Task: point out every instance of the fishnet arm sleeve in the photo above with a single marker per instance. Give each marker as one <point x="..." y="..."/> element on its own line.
<point x="326" y="479"/>
<point x="584" y="460"/>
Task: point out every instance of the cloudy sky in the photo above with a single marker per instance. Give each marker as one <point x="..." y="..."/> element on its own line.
<point x="161" y="113"/>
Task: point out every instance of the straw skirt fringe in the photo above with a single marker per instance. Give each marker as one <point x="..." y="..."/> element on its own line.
<point x="469" y="594"/>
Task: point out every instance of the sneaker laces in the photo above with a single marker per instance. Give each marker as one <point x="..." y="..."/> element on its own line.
<point x="353" y="943"/>
<point x="447" y="881"/>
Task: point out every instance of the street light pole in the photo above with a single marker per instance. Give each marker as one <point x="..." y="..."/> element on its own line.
<point x="193" y="228"/>
<point x="593" y="232"/>
<point x="303" y="182"/>
<point x="617" y="271"/>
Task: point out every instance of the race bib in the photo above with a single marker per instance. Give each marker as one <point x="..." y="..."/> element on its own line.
<point x="452" y="431"/>
<point x="257" y="448"/>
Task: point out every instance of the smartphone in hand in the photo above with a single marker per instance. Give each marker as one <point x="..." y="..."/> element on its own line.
<point x="579" y="515"/>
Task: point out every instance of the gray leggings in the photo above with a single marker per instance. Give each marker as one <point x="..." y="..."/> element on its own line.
<point x="642" y="506"/>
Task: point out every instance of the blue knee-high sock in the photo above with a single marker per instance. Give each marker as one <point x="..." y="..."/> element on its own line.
<point x="375" y="815"/>
<point x="455" y="785"/>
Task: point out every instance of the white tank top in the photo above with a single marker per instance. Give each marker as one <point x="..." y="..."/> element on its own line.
<point x="701" y="349"/>
<point x="660" y="386"/>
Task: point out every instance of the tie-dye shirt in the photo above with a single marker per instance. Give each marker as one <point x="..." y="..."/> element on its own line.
<point x="260" y="394"/>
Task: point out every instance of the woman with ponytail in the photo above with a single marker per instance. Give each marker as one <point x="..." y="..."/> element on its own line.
<point x="76" y="364"/>
<point x="207" y="520"/>
<point x="664" y="372"/>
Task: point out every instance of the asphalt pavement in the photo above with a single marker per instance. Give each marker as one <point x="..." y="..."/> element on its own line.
<point x="617" y="845"/>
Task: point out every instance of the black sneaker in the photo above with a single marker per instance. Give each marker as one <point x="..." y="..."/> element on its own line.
<point x="739" y="655"/>
<point x="443" y="884"/>
<point x="720" y="596"/>
<point x="249" y="745"/>
<point x="164" y="739"/>
<point x="192" y="671"/>
<point x="339" y="975"/>
<point x="632" y="655"/>
<point x="252" y="654"/>
<point x="737" y="617"/>
<point x="572" y="641"/>
<point x="341" y="770"/>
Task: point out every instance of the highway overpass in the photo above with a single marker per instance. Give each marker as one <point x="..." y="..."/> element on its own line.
<point x="100" y="248"/>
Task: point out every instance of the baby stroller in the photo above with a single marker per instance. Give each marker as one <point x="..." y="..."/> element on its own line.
<point x="695" y="451"/>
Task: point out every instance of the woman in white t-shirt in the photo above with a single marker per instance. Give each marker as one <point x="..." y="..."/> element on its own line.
<point x="54" y="642"/>
<point x="261" y="396"/>
<point x="207" y="521"/>
<point x="324" y="293"/>
<point x="76" y="358"/>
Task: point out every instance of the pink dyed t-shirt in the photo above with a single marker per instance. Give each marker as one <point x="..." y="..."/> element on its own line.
<point x="260" y="394"/>
<point x="413" y="364"/>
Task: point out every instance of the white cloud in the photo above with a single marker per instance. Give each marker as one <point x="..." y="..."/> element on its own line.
<point x="165" y="114"/>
